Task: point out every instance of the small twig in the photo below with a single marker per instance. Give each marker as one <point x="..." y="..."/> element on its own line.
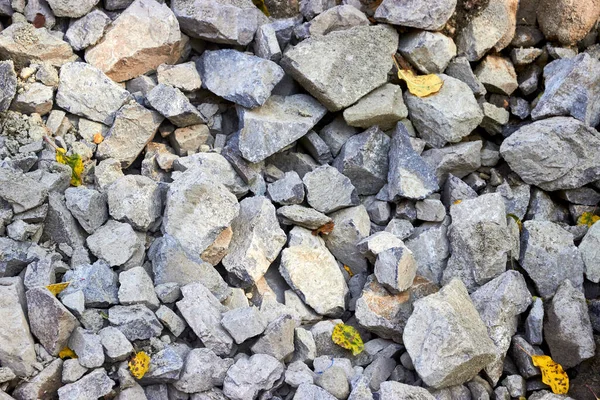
<point x="524" y="351"/>
<point x="51" y="142"/>
<point x="590" y="389"/>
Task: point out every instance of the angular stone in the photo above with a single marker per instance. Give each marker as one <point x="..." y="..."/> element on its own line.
<point x="51" y="323"/>
<point x="497" y="74"/>
<point x="342" y="85"/>
<point x="448" y="116"/>
<point x="122" y="56"/>
<point x="136" y="322"/>
<point x="333" y="381"/>
<point x="243" y="323"/>
<point x="136" y="288"/>
<point x="534" y="323"/>
<point x="98" y="283"/>
<point x="494" y="118"/>
<point x="429" y="52"/>
<point x="92" y="386"/>
<point x="248" y="376"/>
<point x="265" y="43"/>
<point x="183" y="76"/>
<point x="43" y="385"/>
<point x="16" y="343"/>
<point x="416" y="14"/>
<point x="336" y="18"/>
<point x="312" y="271"/>
<point x="88" y="206"/>
<point x="499" y="303"/>
<point x="396" y="268"/>
<point x="305" y="217"/>
<point x="287" y="190"/>
<point x="336" y="133"/>
<point x="71" y="9"/>
<point x="87" y="30"/>
<point x="136" y="200"/>
<point x="20" y="191"/>
<point x="440" y="359"/>
<point x="395" y="390"/>
<point x="430" y="247"/>
<point x="86" y="344"/>
<point x="568" y="330"/>
<point x="197" y="211"/>
<point x="114" y="242"/>
<point x="364" y="160"/>
<point x="459" y="159"/>
<point x="8" y="84"/>
<point x="220" y="21"/>
<point x="327" y="190"/>
<point x="207" y="324"/>
<point x="115" y="344"/>
<point x="556" y="19"/>
<point x="277" y="339"/>
<point x="243" y="79"/>
<point x="202" y="371"/>
<point x="478" y="240"/>
<point x="409" y="176"/>
<point x="276" y="124"/>
<point x="60" y="226"/>
<point x="37" y="98"/>
<point x="589" y="253"/>
<point x="384" y="107"/>
<point x="133" y="128"/>
<point x="72" y="370"/>
<point x="545" y="249"/>
<point x="100" y="99"/>
<point x="171" y="320"/>
<point x="24" y="44"/>
<point x="172" y="104"/>
<point x="460" y="69"/>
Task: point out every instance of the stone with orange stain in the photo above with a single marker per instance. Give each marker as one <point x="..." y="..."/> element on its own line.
<point x="122" y="55"/>
<point x="218" y="249"/>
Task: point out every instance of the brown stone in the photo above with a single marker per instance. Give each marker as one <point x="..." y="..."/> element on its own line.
<point x="143" y="37"/>
<point x="567" y="21"/>
<point x="218" y="249"/>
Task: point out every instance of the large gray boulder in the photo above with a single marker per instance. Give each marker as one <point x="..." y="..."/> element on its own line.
<point x="461" y="346"/>
<point x="339" y="83"/>
<point x="431" y="15"/>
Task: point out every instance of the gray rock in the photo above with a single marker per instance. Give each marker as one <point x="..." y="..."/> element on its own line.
<point x="97" y="282"/>
<point x="545" y="249"/>
<point x="396" y="268"/>
<point x="66" y="8"/>
<point x="568" y="330"/>
<point x="439" y="359"/>
<point x="171" y="264"/>
<point x="221" y="21"/>
<point x="100" y="99"/>
<point x="298" y="373"/>
<point x="106" y="172"/>
<point x="377" y="243"/>
<point x="409" y="176"/>
<point x="448" y="116"/>
<point x="305" y="217"/>
<point x="136" y="322"/>
<point x="459" y="159"/>
<point x="8" y="83"/>
<point x="92" y="386"/>
<point x="243" y="79"/>
<point x="183" y="76"/>
<point x="265" y="43"/>
<point x="166" y="365"/>
<point x="135" y="199"/>
<point x="115" y="344"/>
<point x="60" y="226"/>
<point x="311" y="8"/>
<point x="134" y="127"/>
<point x="136" y="287"/>
<point x="202" y="371"/>
<point x="460" y="68"/>
<point x="561" y="78"/>
<point x="287" y="190"/>
<point x="20" y="191"/>
<point x="428" y="52"/>
<point x="197" y="210"/>
<point x="327" y="190"/>
<point x="320" y="285"/>
<point x="534" y="323"/>
<point x="589" y="253"/>
<point x="87" y="346"/>
<point x="380" y="212"/>
<point x="37" y="98"/>
<point x="206" y="325"/>
<point x="430" y="247"/>
<point x="87" y="30"/>
<point x="337" y="88"/>
<point x="336" y="18"/>
<point x="256" y="242"/>
<point x="88" y="206"/>
<point x="364" y="160"/>
<point x="72" y="370"/>
<point x="515" y="385"/>
<point x="497" y="74"/>
<point x="379" y="371"/>
<point x="431" y="16"/>
<point x="114" y="242"/>
<point x="316" y="147"/>
<point x="248" y="376"/>
<point x="396" y="390"/>
<point x="494" y="118"/>
<point x="333" y="380"/>
<point x="336" y="133"/>
<point x="524" y="56"/>
<point x="478" y="240"/>
<point x="244" y="323"/>
<point x="529" y="79"/>
<point x="172" y="104"/>
<point x="431" y="210"/>
<point x="16" y="343"/>
<point x="383" y="106"/>
<point x="360" y="389"/>
<point x="277" y="339"/>
<point x="50" y="322"/>
<point x="519" y="107"/>
<point x="276" y="124"/>
<point x="499" y="303"/>
<point x="172" y="321"/>
<point x="351" y="225"/>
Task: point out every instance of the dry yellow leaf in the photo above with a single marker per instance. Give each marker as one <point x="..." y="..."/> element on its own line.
<point x="588" y="218"/>
<point x="457" y="201"/>
<point x="98" y="138"/>
<point x="421" y="85"/>
<point x="553" y="374"/>
<point x="56" y="288"/>
<point x="347" y="337"/>
<point x="139" y="364"/>
<point x="348" y="270"/>
<point x="67" y="353"/>
<point x="74" y="161"/>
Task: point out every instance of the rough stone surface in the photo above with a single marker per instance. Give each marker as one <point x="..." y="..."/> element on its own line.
<point x="328" y="190"/>
<point x="20" y="191"/>
<point x="396" y="268"/>
<point x="341" y="84"/>
<point x="557" y="22"/>
<point x="37" y="98"/>
<point x="97" y="282"/>
<point x="250" y="375"/>
<point x="305" y="217"/>
<point x="459" y="159"/>
<point x="416" y="14"/>
<point x="43" y="385"/>
<point x="384" y="107"/>
<point x="183" y="76"/>
<point x="136" y="322"/>
<point x="115" y="242"/>
<point x="172" y="104"/>
<point x="589" y="248"/>
<point x="136" y="200"/>
<point x="243" y="323"/>
<point x="115" y="344"/>
<point x="87" y="30"/>
<point x="8" y="84"/>
<point x="351" y="225"/>
<point x="92" y="386"/>
<point x="497" y="74"/>
<point x="429" y="52"/>
<point x="277" y="339"/>
<point x="88" y="206"/>
<point x="396" y="390"/>
<point x="203" y="370"/>
<point x="136" y="288"/>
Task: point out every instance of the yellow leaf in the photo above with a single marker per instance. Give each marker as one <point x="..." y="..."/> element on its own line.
<point x="517" y="220"/>
<point x="348" y="270"/>
<point x="139" y="364"/>
<point x="260" y="4"/>
<point x="587" y="218"/>
<point x="67" y="353"/>
<point x="423" y="85"/>
<point x="347" y="337"/>
<point x="98" y="138"/>
<point x="74" y="161"/>
<point x="553" y="374"/>
<point x="457" y="202"/>
<point x="56" y="288"/>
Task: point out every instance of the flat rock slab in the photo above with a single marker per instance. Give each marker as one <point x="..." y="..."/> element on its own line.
<point x="122" y="54"/>
<point x="358" y="61"/>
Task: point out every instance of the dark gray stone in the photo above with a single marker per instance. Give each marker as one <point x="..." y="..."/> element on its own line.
<point x="248" y="376"/>
<point x="8" y="84"/>
<point x="98" y="283"/>
<point x="88" y="206"/>
<point x="288" y="190"/>
<point x="172" y="104"/>
<point x="136" y="322"/>
<point x="416" y="14"/>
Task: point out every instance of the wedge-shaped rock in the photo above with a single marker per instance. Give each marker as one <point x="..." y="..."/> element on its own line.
<point x="122" y="55"/>
<point x="171" y="103"/>
<point x="8" y="84"/>
<point x="351" y="225"/>
<point x="430" y="15"/>
<point x="339" y="83"/>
